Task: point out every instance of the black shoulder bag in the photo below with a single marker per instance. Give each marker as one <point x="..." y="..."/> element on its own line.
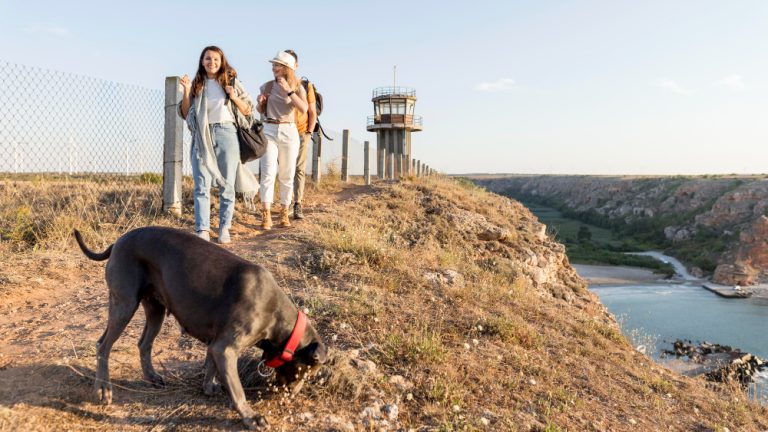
<point x="253" y="143"/>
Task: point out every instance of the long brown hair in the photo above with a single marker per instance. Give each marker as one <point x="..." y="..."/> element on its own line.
<point x="225" y="73"/>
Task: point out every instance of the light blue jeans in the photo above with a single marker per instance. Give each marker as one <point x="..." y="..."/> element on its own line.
<point x="227" y="151"/>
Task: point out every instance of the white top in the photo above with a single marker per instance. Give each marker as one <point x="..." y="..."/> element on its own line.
<point x="218" y="111"/>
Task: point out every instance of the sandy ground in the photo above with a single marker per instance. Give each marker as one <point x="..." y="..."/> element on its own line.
<point x="597" y="275"/>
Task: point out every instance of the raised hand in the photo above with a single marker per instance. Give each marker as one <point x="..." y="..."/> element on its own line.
<point x="186" y="84"/>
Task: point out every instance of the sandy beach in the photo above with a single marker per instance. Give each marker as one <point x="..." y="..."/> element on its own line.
<point x="597" y="275"/>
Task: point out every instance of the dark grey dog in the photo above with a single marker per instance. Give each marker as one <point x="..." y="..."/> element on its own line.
<point x="219" y="298"/>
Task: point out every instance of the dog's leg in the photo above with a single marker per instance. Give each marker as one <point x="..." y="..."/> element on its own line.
<point x="209" y="381"/>
<point x="155" y="313"/>
<point x="225" y="357"/>
<point x="120" y="314"/>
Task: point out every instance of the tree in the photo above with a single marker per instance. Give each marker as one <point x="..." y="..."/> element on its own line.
<point x="584" y="235"/>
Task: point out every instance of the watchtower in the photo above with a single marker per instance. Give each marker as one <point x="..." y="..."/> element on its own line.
<point x="393" y="121"/>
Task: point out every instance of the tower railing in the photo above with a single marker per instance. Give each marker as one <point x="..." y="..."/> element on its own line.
<point x="390" y="91"/>
<point x="395" y="119"/>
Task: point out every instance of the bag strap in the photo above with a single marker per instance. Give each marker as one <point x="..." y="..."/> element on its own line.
<point x="234" y="107"/>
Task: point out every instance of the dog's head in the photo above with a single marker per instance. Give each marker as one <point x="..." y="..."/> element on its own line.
<point x="305" y="359"/>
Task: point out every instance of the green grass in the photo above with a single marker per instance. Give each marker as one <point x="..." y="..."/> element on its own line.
<point x="602" y="246"/>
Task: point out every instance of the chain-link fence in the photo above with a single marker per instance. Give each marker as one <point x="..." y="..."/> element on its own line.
<point x="79" y="147"/>
<point x="55" y="122"/>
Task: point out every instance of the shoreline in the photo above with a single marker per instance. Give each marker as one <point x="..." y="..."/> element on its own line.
<point x="602" y="275"/>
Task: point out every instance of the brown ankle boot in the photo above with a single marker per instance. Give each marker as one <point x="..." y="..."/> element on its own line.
<point x="266" y="219"/>
<point x="285" y="221"/>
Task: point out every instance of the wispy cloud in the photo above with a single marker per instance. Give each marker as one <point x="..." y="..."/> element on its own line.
<point x="672" y="86"/>
<point x="498" y="85"/>
<point x="47" y="29"/>
<point x="734" y="83"/>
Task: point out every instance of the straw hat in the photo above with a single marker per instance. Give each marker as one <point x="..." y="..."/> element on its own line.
<point x="284" y="59"/>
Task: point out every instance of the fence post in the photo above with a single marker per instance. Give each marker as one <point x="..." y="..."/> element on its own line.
<point x="344" y="155"/>
<point x="172" y="148"/>
<point x="316" y="158"/>
<point x="418" y="168"/>
<point x="367" y="163"/>
<point x="413" y="167"/>
<point x="390" y="165"/>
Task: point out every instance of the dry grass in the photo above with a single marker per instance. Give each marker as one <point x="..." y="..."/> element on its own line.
<point x="493" y="334"/>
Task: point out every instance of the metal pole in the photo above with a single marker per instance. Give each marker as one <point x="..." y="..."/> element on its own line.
<point x="367" y="163"/>
<point x="173" y="155"/>
<point x="344" y="155"/>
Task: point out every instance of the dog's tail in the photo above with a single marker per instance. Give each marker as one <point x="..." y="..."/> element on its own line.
<point x="89" y="253"/>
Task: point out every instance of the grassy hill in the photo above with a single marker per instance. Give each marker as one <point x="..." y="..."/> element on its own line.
<point x="447" y="308"/>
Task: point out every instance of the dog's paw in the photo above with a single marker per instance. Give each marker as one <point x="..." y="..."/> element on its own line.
<point x="103" y="392"/>
<point x="211" y="388"/>
<point x="257" y="423"/>
<point x="155" y="379"/>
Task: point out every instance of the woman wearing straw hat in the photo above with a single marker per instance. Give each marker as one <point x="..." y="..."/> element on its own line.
<point x="276" y="104"/>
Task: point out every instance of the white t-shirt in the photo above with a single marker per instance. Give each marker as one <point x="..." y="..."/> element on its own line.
<point x="217" y="101"/>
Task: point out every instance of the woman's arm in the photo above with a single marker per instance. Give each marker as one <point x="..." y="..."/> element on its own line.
<point x="185" y="102"/>
<point x="298" y="99"/>
<point x="242" y="102"/>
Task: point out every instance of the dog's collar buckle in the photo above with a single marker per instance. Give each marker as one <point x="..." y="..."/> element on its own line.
<point x="263" y="370"/>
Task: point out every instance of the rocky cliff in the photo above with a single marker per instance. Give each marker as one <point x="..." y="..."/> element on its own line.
<point x="716" y="225"/>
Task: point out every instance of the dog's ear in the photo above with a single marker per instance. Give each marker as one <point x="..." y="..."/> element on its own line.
<point x="317" y="353"/>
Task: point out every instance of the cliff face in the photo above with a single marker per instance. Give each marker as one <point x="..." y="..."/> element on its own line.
<point x="725" y="216"/>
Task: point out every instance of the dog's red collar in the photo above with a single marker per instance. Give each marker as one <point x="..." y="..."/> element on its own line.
<point x="293" y="342"/>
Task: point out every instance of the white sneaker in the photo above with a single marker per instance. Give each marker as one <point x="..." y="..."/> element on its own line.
<point x="204" y="235"/>
<point x="224" y="236"/>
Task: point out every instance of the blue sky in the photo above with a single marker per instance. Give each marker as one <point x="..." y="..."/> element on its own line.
<point x="583" y="87"/>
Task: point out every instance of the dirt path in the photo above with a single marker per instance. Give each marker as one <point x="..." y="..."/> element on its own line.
<point x="52" y="311"/>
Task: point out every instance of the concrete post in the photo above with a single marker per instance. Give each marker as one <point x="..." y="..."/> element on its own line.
<point x="388" y="161"/>
<point x="418" y="168"/>
<point x="398" y="166"/>
<point x="413" y="167"/>
<point x="345" y="155"/>
<point x="390" y="165"/>
<point x="172" y="148"/>
<point x="380" y="161"/>
<point x="367" y="163"/>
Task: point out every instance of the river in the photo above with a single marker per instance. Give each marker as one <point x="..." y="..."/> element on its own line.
<point x="653" y="314"/>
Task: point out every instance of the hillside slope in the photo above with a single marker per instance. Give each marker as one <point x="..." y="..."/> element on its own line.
<point x="716" y="225"/>
<point x="446" y="307"/>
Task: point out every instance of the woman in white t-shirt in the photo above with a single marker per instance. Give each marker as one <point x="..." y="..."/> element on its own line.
<point x="276" y="103"/>
<point x="215" y="153"/>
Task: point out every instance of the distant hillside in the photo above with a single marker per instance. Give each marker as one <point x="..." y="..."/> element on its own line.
<point x="717" y="225"/>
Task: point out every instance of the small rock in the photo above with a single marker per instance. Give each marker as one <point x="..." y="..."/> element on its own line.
<point x="532" y="381"/>
<point x="305" y="416"/>
<point x="391" y="411"/>
<point x="365" y="366"/>
<point x="400" y="383"/>
<point x="632" y="421"/>
<point x="475" y="342"/>
<point x="456" y="408"/>
<point x="466" y="346"/>
<point x="484" y="421"/>
<point x="409" y="397"/>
